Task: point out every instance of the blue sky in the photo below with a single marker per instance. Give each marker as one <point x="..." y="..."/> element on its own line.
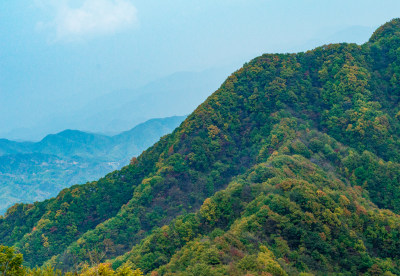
<point x="58" y="55"/>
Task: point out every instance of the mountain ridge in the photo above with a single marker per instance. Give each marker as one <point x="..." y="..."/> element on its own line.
<point x="78" y="137"/>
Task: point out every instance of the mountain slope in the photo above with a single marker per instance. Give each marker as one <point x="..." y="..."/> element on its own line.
<point x="284" y="215"/>
<point x="291" y="166"/>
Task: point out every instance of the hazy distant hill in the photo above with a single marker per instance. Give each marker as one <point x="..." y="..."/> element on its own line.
<point x="179" y="93"/>
<point x="34" y="171"/>
<point x="176" y="94"/>
<point x="350" y="34"/>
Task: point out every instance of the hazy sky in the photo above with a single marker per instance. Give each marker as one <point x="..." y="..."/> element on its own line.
<point x="57" y="54"/>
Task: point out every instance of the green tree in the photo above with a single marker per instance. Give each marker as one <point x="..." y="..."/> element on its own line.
<point x="10" y="262"/>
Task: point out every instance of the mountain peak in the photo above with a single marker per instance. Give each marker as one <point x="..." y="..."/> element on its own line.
<point x="389" y="29"/>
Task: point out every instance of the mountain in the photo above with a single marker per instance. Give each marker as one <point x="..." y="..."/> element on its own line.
<point x="35" y="171"/>
<point x="290" y="168"/>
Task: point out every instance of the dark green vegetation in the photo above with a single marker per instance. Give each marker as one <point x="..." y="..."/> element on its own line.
<point x="35" y="171"/>
<point x="291" y="166"/>
<point x="11" y="265"/>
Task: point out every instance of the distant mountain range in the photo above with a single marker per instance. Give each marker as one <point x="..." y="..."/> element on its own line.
<point x="34" y="171"/>
<point x="176" y="94"/>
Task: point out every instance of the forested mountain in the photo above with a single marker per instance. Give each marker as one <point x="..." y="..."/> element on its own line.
<point x="35" y="171"/>
<point x="292" y="166"/>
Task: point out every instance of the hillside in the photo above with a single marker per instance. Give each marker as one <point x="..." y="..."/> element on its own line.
<point x="292" y="166"/>
<point x="35" y="171"/>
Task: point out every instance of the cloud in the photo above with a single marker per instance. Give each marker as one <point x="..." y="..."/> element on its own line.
<point x="88" y="18"/>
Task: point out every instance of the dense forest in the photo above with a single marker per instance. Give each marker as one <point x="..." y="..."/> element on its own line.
<point x="290" y="168"/>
